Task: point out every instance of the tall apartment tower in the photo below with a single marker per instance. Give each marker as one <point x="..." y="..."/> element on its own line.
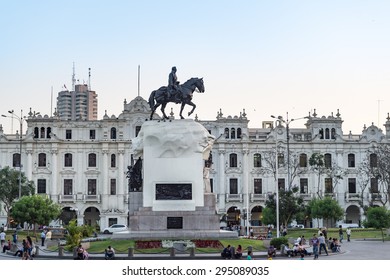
<point x="80" y="104"/>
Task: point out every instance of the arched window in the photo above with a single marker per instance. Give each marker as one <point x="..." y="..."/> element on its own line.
<point x="321" y="132"/>
<point x="257" y="160"/>
<point x="327" y="133"/>
<point x="48" y="132"/>
<point x="233" y="133"/>
<point x="92" y="160"/>
<point x="113" y="160"/>
<point x="36" y="132"/>
<point x="16" y="160"/>
<point x="43" y="134"/>
<point x="42" y="160"/>
<point x="68" y="160"/>
<point x="333" y="133"/>
<point x="238" y="133"/>
<point x="351" y="160"/>
<point x="233" y="160"/>
<point x="226" y="133"/>
<point x="328" y="160"/>
<point x="302" y="160"/>
<point x="373" y="160"/>
<point x="113" y="133"/>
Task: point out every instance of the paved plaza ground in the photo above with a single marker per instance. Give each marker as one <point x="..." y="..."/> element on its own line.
<point x="354" y="250"/>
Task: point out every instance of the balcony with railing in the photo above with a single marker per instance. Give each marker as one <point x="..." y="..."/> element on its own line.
<point x="67" y="198"/>
<point x="233" y="197"/>
<point x="91" y="198"/>
<point x="258" y="197"/>
<point x="306" y="196"/>
<point x="352" y="197"/>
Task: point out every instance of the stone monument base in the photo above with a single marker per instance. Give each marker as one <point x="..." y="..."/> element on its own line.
<point x="203" y="223"/>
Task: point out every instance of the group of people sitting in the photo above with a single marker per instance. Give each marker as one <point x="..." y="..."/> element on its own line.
<point x="230" y="252"/>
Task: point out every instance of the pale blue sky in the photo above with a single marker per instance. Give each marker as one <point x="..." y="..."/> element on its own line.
<point x="269" y="57"/>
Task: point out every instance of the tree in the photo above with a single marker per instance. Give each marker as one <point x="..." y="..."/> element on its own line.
<point x="379" y="218"/>
<point x="317" y="164"/>
<point x="269" y="157"/>
<point x="334" y="171"/>
<point x="34" y="210"/>
<point x="289" y="207"/>
<point x="326" y="208"/>
<point x="9" y="187"/>
<point x="377" y="166"/>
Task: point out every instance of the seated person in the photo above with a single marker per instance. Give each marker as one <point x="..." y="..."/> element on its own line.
<point x="302" y="249"/>
<point x="7" y="246"/>
<point x="295" y="249"/>
<point x="238" y="253"/>
<point x="289" y="252"/>
<point x="19" y="252"/>
<point x="335" y="245"/>
<point x="109" y="253"/>
<point x="227" y="253"/>
<point x="271" y="251"/>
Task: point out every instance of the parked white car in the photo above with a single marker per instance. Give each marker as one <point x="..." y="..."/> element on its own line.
<point x="115" y="228"/>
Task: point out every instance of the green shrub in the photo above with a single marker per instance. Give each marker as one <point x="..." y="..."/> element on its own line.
<point x="278" y="241"/>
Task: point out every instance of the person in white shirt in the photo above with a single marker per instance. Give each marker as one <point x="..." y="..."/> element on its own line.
<point x="2" y="238"/>
<point x="348" y="232"/>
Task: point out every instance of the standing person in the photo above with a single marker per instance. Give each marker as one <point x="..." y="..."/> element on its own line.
<point x="15" y="237"/>
<point x="25" y="248"/>
<point x="315" y="243"/>
<point x="43" y="238"/>
<point x="348" y="232"/>
<point x="2" y="238"/>
<point x="250" y="256"/>
<point x="48" y="235"/>
<point x="341" y="234"/>
<point x="30" y="245"/>
<point x="284" y="232"/>
<point x="322" y="241"/>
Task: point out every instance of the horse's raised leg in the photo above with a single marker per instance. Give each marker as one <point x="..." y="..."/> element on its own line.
<point x="181" y="110"/>
<point x="193" y="108"/>
<point x="163" y="105"/>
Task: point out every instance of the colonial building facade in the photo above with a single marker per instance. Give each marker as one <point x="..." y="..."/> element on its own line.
<point x="82" y="164"/>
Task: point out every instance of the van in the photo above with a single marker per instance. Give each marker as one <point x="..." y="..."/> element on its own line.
<point x="344" y="225"/>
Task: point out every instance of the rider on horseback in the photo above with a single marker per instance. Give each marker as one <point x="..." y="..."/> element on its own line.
<point x="173" y="89"/>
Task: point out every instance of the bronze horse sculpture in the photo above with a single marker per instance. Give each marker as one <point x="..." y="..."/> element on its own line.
<point x="184" y="96"/>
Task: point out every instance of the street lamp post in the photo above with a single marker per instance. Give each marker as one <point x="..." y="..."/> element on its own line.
<point x="277" y="188"/>
<point x="20" y="119"/>
<point x="287" y="123"/>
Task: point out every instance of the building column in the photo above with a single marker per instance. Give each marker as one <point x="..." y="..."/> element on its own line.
<point x="54" y="190"/>
<point x="105" y="186"/>
<point x="245" y="185"/>
<point x="29" y="164"/>
<point x="221" y="184"/>
<point x="121" y="175"/>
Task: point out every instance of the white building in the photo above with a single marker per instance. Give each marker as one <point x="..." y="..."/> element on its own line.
<point x="82" y="164"/>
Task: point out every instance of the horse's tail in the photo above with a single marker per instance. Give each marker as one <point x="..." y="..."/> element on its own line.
<point x="151" y="99"/>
